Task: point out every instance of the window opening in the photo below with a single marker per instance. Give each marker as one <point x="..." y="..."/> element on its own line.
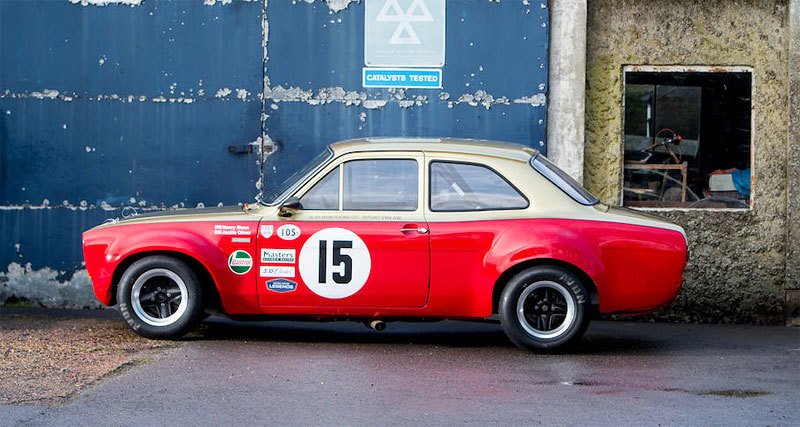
<point x="687" y="140"/>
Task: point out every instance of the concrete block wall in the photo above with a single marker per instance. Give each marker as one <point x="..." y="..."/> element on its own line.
<point x="737" y="269"/>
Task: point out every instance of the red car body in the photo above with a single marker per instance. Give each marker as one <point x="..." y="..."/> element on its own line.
<point x="631" y="273"/>
<point x="430" y="265"/>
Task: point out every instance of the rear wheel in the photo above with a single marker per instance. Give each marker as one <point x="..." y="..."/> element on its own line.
<point x="160" y="297"/>
<point x="544" y="308"/>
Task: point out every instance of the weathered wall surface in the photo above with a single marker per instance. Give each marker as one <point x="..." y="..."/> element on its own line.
<point x="793" y="172"/>
<point x="736" y="269"/>
<point x="109" y="105"/>
<point x="112" y="105"/>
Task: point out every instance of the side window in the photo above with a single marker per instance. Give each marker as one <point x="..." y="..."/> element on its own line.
<point x="688" y="140"/>
<point x="381" y="185"/>
<point x="324" y="195"/>
<point x="467" y="187"/>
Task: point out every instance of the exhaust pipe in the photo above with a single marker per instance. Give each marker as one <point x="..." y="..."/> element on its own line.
<point x="377" y="325"/>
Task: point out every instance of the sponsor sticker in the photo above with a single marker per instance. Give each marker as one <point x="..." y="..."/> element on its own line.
<point x="276" y="271"/>
<point x="266" y="231"/>
<point x="280" y="256"/>
<point x="288" y="232"/>
<point x="231" y="230"/>
<point x="281" y="285"/>
<point x="240" y="262"/>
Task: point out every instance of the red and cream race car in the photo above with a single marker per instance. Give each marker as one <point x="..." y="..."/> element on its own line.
<point x="383" y="229"/>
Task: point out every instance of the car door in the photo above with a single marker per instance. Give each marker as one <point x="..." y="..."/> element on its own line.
<point x="359" y="240"/>
<point x="470" y="212"/>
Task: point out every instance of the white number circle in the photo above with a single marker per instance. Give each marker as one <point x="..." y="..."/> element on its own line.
<point x="334" y="263"/>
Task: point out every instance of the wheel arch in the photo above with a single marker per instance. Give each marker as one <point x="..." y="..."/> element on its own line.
<point x="503" y="279"/>
<point x="212" y="298"/>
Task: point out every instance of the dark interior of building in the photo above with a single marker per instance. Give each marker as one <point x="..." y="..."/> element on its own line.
<point x="711" y="111"/>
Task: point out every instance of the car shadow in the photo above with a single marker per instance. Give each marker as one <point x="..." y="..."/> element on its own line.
<point x="608" y="337"/>
<point x="446" y="333"/>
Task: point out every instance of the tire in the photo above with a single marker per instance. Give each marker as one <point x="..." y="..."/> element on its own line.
<point x="545" y="308"/>
<point x="160" y="297"/>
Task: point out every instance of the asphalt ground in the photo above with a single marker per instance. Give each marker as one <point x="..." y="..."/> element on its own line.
<point x="290" y="373"/>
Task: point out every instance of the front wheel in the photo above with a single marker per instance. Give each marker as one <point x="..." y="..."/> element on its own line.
<point x="160" y="297"/>
<point x="544" y="308"/>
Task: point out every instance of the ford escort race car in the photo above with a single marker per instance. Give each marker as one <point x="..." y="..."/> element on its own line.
<point x="391" y="229"/>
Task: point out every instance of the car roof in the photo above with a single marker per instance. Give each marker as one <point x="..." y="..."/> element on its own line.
<point x="441" y="145"/>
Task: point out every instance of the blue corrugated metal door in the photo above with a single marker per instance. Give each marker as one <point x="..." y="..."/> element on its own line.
<point x="103" y="107"/>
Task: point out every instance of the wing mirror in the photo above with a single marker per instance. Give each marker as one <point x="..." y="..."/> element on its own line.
<point x="289" y="207"/>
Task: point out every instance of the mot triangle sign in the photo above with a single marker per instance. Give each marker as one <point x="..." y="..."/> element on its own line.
<point x="404" y="33"/>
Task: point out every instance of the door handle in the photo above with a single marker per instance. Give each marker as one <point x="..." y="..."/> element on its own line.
<point x="410" y="228"/>
<point x="249" y="148"/>
<point x="240" y="149"/>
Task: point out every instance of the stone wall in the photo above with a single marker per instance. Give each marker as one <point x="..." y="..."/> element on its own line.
<point x="793" y="173"/>
<point x="737" y="265"/>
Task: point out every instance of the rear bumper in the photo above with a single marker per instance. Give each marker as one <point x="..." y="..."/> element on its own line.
<point x="643" y="273"/>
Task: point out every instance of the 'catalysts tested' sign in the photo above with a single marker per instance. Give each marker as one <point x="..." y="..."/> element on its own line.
<point x="402" y="35"/>
<point x="420" y="78"/>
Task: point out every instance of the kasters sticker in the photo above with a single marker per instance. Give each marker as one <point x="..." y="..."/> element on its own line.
<point x="280" y="256"/>
<point x="240" y="262"/>
<point x="276" y="271"/>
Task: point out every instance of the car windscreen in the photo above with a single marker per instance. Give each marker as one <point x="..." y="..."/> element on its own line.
<point x="562" y="180"/>
<point x="276" y="192"/>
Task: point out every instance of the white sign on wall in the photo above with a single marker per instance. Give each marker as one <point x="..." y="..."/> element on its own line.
<point x="404" y="33"/>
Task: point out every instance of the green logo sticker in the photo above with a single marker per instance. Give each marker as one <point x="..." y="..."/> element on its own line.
<point x="240" y="262"/>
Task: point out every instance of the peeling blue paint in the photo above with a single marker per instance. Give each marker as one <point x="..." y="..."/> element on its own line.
<point x="106" y="107"/>
<point x="497" y="49"/>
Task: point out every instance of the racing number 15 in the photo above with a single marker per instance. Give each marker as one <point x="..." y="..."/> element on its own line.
<point x="339" y="260"/>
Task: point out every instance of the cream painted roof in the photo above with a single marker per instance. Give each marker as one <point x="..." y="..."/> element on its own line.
<point x="432" y="145"/>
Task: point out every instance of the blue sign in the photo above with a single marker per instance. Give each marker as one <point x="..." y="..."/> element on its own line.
<point x="418" y="78"/>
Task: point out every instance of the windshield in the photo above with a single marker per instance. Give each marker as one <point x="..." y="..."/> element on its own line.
<point x="562" y="180"/>
<point x="275" y="193"/>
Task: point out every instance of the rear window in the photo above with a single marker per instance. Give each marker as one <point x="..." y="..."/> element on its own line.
<point x="562" y="180"/>
<point x="460" y="187"/>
